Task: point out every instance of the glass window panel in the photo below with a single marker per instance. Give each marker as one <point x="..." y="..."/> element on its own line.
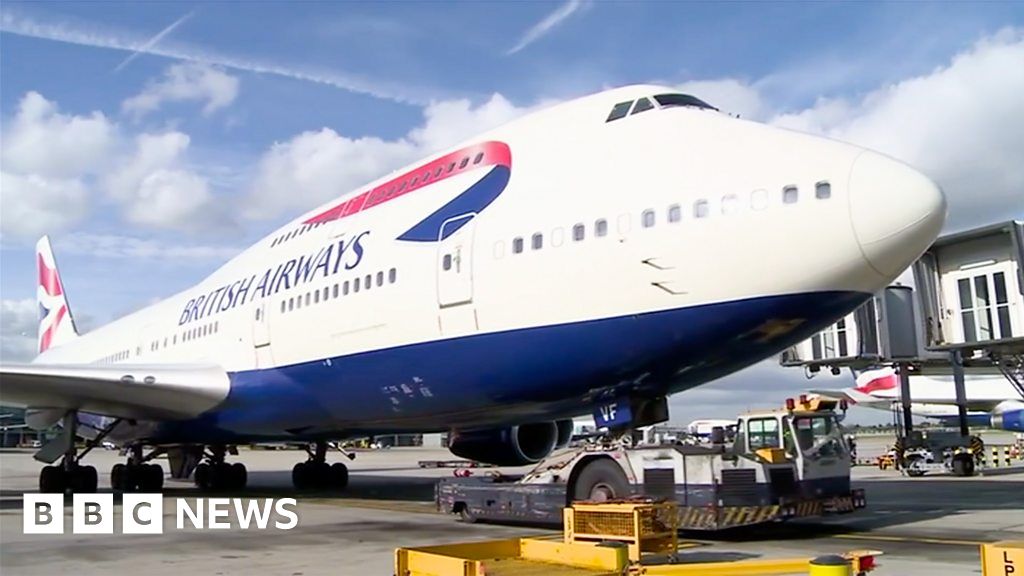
<point x="517" y="245"/>
<point x="619" y="111"/>
<point x="446" y="262"/>
<point x="790" y="195"/>
<point x="392" y="275"/>
<point x="999" y="281"/>
<point x="647" y="218"/>
<point x="537" y="241"/>
<point x="700" y="208"/>
<point x="579" y="232"/>
<point x="601" y="227"/>
<point x="380" y="278"/>
<point x="964" y="287"/>
<point x="822" y="190"/>
<point x="675" y="213"/>
<point x="642" y="105"/>
<point x="981" y="291"/>
<point x="967" y="319"/>
<point x="344" y="288"/>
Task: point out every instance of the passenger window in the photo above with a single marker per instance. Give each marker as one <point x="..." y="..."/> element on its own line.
<point x="291" y="304"/>
<point x="344" y="288"/>
<point x="308" y="298"/>
<point x="759" y="199"/>
<point x="790" y="195"/>
<point x="258" y="311"/>
<point x="380" y="278"/>
<point x="647" y="218"/>
<point x="446" y="262"/>
<point x="537" y="241"/>
<point x="822" y="190"/>
<point x="283" y="304"/>
<point x="499" y="249"/>
<point x="451" y="166"/>
<point x="316" y="296"/>
<point x="415" y="180"/>
<point x="478" y="158"/>
<point x="392" y="276"/>
<point x="368" y="282"/>
<point x="335" y="291"/>
<point x="579" y="232"/>
<point x="438" y="171"/>
<point x="517" y="245"/>
<point x="464" y="162"/>
<point x="642" y="105"/>
<point x="355" y="285"/>
<point x="675" y="213"/>
<point x="601" y="228"/>
<point x="729" y="204"/>
<point x="619" y="110"/>
<point x="700" y="208"/>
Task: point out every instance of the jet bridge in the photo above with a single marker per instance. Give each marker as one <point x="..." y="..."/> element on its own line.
<point x="964" y="313"/>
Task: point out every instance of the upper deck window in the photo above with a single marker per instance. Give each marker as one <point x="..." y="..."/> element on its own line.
<point x="619" y="111"/>
<point x="668" y="100"/>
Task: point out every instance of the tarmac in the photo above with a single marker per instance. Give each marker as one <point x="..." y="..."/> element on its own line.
<point x="931" y="525"/>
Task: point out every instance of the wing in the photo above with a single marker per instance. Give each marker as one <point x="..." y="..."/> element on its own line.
<point x="136" y="391"/>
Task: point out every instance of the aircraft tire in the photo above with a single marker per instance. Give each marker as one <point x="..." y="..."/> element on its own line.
<point x="338" y="476"/>
<point x="118" y="477"/>
<point x="201" y="476"/>
<point x="239" y="476"/>
<point x="152" y="478"/>
<point x="84" y="479"/>
<point x="600" y="480"/>
<point x="301" y="476"/>
<point x="52" y="480"/>
<point x="963" y="465"/>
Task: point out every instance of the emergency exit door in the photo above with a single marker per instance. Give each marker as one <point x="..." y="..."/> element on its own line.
<point x="261" y="336"/>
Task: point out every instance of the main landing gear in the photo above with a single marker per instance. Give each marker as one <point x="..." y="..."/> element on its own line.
<point x="136" y="475"/>
<point x="69" y="475"/>
<point x="316" y="474"/>
<point x="217" y="475"/>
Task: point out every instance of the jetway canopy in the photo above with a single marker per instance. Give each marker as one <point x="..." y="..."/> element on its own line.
<point x="969" y="297"/>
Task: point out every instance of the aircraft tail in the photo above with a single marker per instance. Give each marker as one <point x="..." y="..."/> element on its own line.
<point x="56" y="325"/>
<point x="873" y="387"/>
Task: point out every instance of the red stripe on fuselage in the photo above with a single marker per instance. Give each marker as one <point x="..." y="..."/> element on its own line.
<point x="48" y="278"/>
<point x="491" y="153"/>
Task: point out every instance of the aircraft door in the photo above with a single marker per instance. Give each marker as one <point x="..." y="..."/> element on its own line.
<point x="455" y="274"/>
<point x="261" y="336"/>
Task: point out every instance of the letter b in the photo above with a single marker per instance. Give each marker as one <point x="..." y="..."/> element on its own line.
<point x="93" y="514"/>
<point x="43" y="514"/>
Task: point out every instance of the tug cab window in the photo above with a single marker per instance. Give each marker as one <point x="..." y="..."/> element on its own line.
<point x="763" y="433"/>
<point x="619" y="111"/>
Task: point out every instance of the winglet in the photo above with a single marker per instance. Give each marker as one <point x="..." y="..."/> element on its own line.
<point x="56" y="325"/>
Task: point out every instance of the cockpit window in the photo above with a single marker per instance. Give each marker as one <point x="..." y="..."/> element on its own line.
<point x="619" y="111"/>
<point x="668" y="100"/>
<point x="642" y="105"/>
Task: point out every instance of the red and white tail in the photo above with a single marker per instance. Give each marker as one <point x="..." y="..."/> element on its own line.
<point x="56" y="325"/>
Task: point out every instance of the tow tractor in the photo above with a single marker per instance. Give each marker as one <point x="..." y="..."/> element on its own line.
<point x="786" y="463"/>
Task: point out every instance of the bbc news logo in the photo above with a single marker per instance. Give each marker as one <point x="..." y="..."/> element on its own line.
<point x="144" y="513"/>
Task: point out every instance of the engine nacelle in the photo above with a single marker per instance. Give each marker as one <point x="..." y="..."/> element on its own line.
<point x="511" y="446"/>
<point x="1012" y="420"/>
<point x="565" y="428"/>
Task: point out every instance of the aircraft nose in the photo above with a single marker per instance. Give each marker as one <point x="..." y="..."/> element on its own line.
<point x="896" y="211"/>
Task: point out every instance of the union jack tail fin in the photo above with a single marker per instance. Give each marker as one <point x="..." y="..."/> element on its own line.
<point x="56" y="326"/>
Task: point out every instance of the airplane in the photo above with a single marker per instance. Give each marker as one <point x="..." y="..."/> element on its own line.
<point x="992" y="400"/>
<point x="596" y="255"/>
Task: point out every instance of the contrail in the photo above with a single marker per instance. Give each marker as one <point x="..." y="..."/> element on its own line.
<point x="549" y="23"/>
<point x="148" y="45"/>
<point x="395" y="91"/>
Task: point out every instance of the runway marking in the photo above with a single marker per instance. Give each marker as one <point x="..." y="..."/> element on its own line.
<point x="884" y="538"/>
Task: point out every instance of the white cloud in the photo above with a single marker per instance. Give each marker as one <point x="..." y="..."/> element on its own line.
<point x="182" y="83"/>
<point x="729" y="95"/>
<point x="32" y="204"/>
<point x="156" y="189"/>
<point x="318" y="165"/>
<point x="547" y="24"/>
<point x="47" y="157"/>
<point x="121" y="247"/>
<point x="40" y="140"/>
<point x="962" y="124"/>
<point x="18" y="329"/>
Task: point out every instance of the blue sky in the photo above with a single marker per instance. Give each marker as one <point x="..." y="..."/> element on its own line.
<point x="153" y="139"/>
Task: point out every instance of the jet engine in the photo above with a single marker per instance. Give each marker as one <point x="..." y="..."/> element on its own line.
<point x="510" y="446"/>
<point x="1010" y="420"/>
